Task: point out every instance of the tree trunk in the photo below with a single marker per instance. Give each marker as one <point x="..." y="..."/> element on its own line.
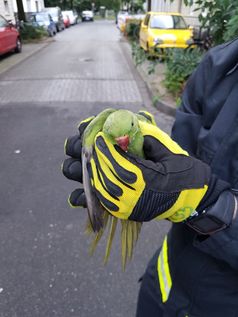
<point x="148" y="5"/>
<point x="20" y="11"/>
<point x="179" y="6"/>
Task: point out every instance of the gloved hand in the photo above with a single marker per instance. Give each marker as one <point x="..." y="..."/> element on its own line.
<point x="167" y="184"/>
<point x="72" y="167"/>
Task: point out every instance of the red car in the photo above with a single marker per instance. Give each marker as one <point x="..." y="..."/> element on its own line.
<point x="9" y="37"/>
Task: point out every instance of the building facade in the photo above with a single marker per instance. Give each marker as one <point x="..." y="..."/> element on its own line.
<point x="188" y="12"/>
<point x="30" y="5"/>
<point x="8" y="8"/>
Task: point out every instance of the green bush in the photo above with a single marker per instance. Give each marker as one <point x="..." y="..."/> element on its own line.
<point x="138" y="53"/>
<point x="179" y="65"/>
<point x="132" y="29"/>
<point x="31" y="32"/>
<point x="231" y="28"/>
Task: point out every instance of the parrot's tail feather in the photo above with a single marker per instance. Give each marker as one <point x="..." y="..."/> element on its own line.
<point x="98" y="235"/>
<point x="113" y="225"/>
<point x="88" y="228"/>
<point x="124" y="224"/>
<point x="130" y="241"/>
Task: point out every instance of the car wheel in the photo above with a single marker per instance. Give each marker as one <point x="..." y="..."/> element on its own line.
<point x="18" y="46"/>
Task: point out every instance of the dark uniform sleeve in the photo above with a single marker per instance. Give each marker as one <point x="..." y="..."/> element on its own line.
<point x="222" y="245"/>
<point x="190" y="120"/>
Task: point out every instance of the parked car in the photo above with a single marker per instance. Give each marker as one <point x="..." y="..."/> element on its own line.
<point x="9" y="37"/>
<point x="44" y="19"/>
<point x="73" y="16"/>
<point x="163" y="30"/>
<point x="57" y="17"/>
<point x="66" y="19"/>
<point x="87" y="15"/>
<point x="121" y="20"/>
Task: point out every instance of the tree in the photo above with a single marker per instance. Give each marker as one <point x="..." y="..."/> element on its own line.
<point x="20" y="11"/>
<point x="220" y="16"/>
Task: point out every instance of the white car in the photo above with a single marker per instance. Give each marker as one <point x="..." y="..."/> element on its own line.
<point x="87" y="15"/>
<point x="73" y="17"/>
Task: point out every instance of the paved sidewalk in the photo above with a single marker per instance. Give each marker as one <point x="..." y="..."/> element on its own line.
<point x="164" y="103"/>
<point x="10" y="60"/>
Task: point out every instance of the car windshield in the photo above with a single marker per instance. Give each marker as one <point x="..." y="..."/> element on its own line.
<point x="167" y="22"/>
<point x="3" y="22"/>
<point x="69" y="13"/>
<point x="42" y="18"/>
<point x="53" y="13"/>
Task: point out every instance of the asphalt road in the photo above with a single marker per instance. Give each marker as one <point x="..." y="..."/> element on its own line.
<point x="45" y="269"/>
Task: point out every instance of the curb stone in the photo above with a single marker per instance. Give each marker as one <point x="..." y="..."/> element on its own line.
<point x="166" y="108"/>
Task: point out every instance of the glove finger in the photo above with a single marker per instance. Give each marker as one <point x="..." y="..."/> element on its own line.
<point x="115" y="155"/>
<point x="83" y="125"/>
<point x="113" y="189"/>
<point x="73" y="146"/>
<point x="148" y="116"/>
<point x="107" y="199"/>
<point x="72" y="169"/>
<point x="77" y="198"/>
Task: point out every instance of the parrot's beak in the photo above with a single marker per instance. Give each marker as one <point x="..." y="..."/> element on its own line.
<point x="123" y="142"/>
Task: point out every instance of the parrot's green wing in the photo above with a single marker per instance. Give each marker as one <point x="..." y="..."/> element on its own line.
<point x="95" y="209"/>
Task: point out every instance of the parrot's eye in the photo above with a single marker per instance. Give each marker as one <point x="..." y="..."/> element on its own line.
<point x="132" y="124"/>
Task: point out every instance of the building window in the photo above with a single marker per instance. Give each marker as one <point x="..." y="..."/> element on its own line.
<point x="28" y="5"/>
<point x="37" y="6"/>
<point x="6" y="6"/>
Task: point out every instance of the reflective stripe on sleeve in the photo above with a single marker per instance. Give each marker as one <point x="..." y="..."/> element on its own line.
<point x="163" y="272"/>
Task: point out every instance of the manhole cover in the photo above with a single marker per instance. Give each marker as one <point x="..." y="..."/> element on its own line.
<point x="86" y="60"/>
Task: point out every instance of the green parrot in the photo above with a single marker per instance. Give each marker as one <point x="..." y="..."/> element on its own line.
<point x="122" y="128"/>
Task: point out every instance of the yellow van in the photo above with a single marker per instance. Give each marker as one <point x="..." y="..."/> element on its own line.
<point x="164" y="30"/>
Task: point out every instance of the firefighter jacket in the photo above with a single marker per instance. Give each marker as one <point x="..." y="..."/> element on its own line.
<point x="198" y="276"/>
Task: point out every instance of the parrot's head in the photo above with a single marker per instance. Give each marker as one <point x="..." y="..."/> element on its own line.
<point x="121" y="127"/>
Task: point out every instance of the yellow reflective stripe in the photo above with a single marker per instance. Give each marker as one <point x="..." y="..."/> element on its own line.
<point x="165" y="280"/>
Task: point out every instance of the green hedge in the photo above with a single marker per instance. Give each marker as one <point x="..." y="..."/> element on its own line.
<point x="179" y="65"/>
<point x="31" y="32"/>
<point x="132" y="29"/>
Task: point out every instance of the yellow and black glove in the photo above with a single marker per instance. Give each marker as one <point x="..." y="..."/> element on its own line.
<point x="167" y="184"/>
<point x="72" y="166"/>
